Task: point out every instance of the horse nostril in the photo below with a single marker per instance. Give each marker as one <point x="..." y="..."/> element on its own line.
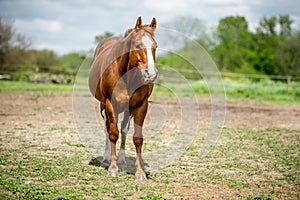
<point x="149" y="77"/>
<point x="146" y="73"/>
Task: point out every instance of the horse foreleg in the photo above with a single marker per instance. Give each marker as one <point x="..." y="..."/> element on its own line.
<point x="139" y="116"/>
<point x="124" y="130"/>
<point x="113" y="134"/>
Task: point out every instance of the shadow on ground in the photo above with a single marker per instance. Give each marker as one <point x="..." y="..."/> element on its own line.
<point x="129" y="168"/>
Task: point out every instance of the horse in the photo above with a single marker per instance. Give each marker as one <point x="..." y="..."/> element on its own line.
<point x="122" y="78"/>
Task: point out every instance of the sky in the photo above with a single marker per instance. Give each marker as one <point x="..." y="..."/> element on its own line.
<point x="71" y="25"/>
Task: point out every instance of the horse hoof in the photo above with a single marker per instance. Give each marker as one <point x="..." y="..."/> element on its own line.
<point x="113" y="173"/>
<point x="140" y="176"/>
<point x="105" y="164"/>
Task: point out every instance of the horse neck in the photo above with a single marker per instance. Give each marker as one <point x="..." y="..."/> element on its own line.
<point x="129" y="73"/>
<point x="122" y="50"/>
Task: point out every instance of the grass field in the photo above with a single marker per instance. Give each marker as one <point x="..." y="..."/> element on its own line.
<point x="257" y="155"/>
<point x="246" y="90"/>
<point x="20" y="86"/>
<point x="268" y="169"/>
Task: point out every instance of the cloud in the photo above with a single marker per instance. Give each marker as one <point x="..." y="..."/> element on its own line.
<point x="68" y="25"/>
<point x="221" y="3"/>
<point x="39" y="25"/>
<point x="45" y="34"/>
<point x="47" y="46"/>
<point x="166" y="6"/>
<point x="48" y="25"/>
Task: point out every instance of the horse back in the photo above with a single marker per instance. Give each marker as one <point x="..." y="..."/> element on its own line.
<point x="105" y="44"/>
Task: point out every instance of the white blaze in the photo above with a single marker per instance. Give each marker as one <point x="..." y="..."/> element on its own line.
<point x="148" y="44"/>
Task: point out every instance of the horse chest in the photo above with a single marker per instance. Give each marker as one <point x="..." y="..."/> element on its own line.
<point x="120" y="95"/>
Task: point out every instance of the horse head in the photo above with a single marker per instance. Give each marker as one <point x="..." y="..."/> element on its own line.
<point x="142" y="50"/>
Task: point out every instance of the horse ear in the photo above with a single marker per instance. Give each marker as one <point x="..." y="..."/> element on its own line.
<point x="153" y="23"/>
<point x="138" y="23"/>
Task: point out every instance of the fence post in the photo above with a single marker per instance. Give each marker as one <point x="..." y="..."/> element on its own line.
<point x="288" y="79"/>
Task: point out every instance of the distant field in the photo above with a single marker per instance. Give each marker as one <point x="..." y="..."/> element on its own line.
<point x="27" y="86"/>
<point x="235" y="90"/>
<point x="247" y="90"/>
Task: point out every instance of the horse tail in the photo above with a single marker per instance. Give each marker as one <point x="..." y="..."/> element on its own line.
<point x="102" y="111"/>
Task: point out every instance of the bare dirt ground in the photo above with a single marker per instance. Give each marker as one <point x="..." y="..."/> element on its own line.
<point x="51" y="114"/>
<point x="22" y="108"/>
<point x="21" y="112"/>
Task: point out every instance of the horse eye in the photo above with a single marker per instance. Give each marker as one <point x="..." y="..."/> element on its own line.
<point x="138" y="47"/>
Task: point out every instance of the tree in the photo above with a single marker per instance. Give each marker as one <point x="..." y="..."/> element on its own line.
<point x="71" y="62"/>
<point x="278" y="50"/>
<point x="45" y="60"/>
<point x="274" y="49"/>
<point x="285" y="25"/>
<point x="233" y="45"/>
<point x="6" y="34"/>
<point x="100" y="38"/>
<point x="267" y="26"/>
<point x="12" y="44"/>
<point x="288" y="54"/>
<point x="289" y="47"/>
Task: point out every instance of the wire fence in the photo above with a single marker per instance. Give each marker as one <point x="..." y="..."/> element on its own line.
<point x="190" y="74"/>
<point x="257" y="77"/>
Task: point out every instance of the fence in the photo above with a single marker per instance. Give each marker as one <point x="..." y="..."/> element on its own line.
<point x="231" y="75"/>
<point x="5" y="74"/>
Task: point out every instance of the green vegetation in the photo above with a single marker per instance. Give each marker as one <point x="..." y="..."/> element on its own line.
<point x="266" y="90"/>
<point x="41" y="160"/>
<point x="273" y="49"/>
<point x="26" y="86"/>
<point x="43" y="66"/>
<point x="20" y="62"/>
<point x="263" y="91"/>
<point x="264" y="162"/>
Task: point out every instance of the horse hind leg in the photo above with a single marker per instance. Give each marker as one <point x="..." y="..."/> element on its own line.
<point x="113" y="134"/>
<point x="106" y="153"/>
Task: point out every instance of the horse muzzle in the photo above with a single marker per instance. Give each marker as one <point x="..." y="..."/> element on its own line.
<point x="149" y="77"/>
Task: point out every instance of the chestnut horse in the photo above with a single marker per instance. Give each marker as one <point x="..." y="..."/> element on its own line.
<point x="121" y="78"/>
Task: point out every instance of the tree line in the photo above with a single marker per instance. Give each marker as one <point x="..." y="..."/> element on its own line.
<point x="18" y="59"/>
<point x="273" y="48"/>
